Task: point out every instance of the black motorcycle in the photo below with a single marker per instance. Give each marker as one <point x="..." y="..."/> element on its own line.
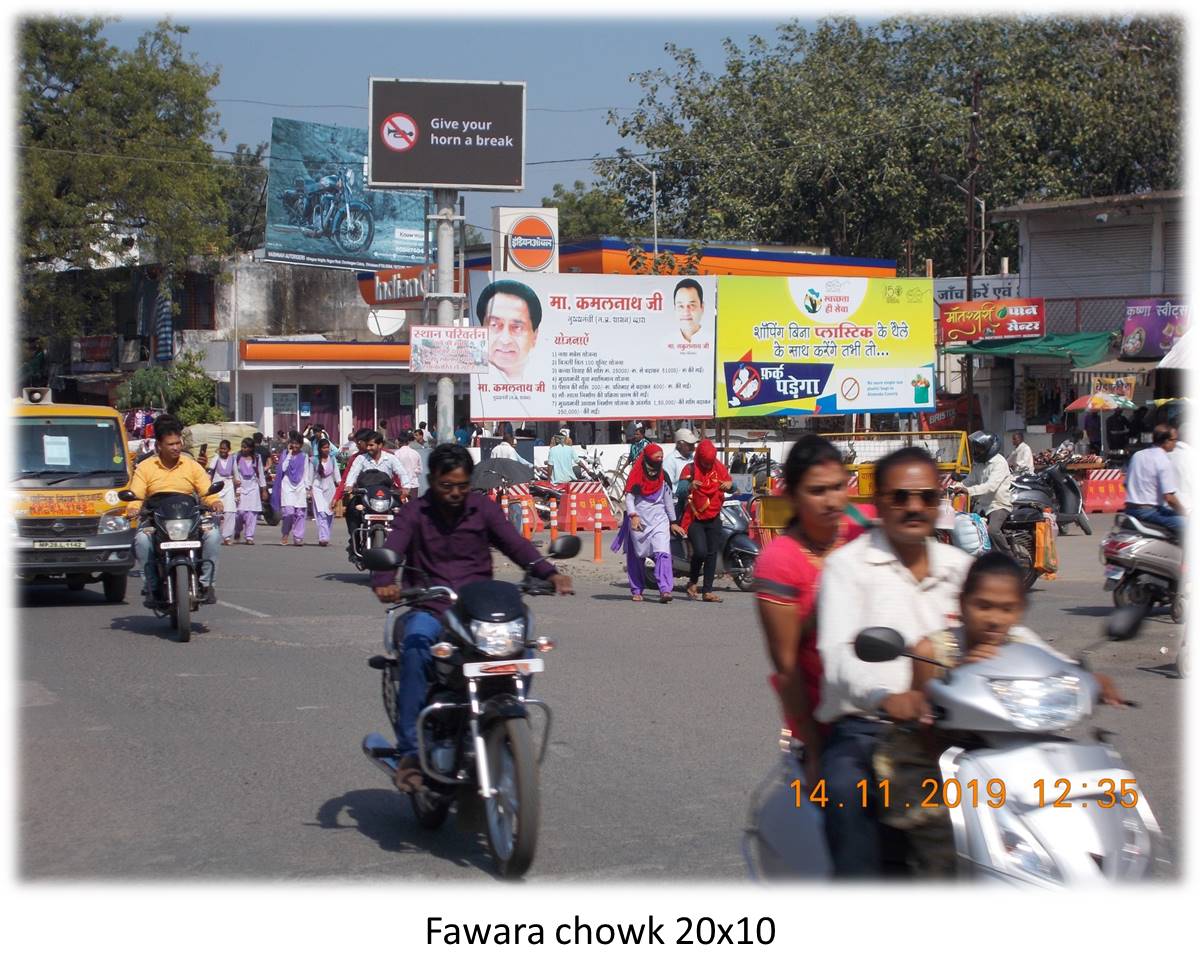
<point x="474" y="736"/>
<point x="326" y="208"/>
<point x="180" y="522"/>
<point x="377" y="502"/>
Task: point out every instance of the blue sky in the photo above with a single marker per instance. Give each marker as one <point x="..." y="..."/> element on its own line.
<point x="307" y="65"/>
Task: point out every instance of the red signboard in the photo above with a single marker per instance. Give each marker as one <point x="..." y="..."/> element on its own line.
<point x="993" y="319"/>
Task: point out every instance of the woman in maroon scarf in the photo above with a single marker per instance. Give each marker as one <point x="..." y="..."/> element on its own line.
<point x="702" y="515"/>
<point x="646" y="530"/>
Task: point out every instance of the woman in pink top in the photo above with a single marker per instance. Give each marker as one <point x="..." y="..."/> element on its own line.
<point x="787" y="576"/>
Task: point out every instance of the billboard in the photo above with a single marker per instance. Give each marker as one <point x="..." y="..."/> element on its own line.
<point x="815" y="345"/>
<point x="1003" y="319"/>
<point x="599" y="347"/>
<point x="448" y="350"/>
<point x="1152" y="326"/>
<point x="319" y="211"/>
<point x="1122" y="386"/>
<point x="461" y="135"/>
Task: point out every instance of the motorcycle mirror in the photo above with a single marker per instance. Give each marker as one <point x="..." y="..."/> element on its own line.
<point x="567" y="546"/>
<point x="126" y="495"/>
<point x="216" y="487"/>
<point x="1126" y="621"/>
<point x="878" y="645"/>
<point x="381" y="559"/>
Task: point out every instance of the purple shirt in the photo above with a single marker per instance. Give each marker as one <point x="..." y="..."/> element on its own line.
<point x="456" y="554"/>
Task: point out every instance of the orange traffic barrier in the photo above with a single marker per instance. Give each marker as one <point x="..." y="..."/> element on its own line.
<point x="526" y="523"/>
<point x="574" y="525"/>
<point x="553" y="520"/>
<point x="597" y="557"/>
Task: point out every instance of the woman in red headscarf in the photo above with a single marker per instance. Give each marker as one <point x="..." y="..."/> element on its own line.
<point x="646" y="530"/>
<point x="702" y="515"/>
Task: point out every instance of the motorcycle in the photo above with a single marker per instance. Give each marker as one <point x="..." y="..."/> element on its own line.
<point x="1055" y="488"/>
<point x="613" y="481"/>
<point x="378" y="502"/>
<point x="326" y="208"/>
<point x="1057" y="810"/>
<point x="180" y="521"/>
<point x="738" y="551"/>
<point x="1143" y="565"/>
<point x="1020" y="529"/>
<point x="474" y="736"/>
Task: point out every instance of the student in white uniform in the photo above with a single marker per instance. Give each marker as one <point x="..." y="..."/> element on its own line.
<point x="326" y="476"/>
<point x="293" y="487"/>
<point x="251" y="488"/>
<point x="222" y="469"/>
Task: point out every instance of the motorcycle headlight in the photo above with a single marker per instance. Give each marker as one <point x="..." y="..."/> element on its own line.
<point x="178" y="530"/>
<point x="114" y="522"/>
<point x="1038" y="704"/>
<point x="379" y="504"/>
<point x="499" y="639"/>
<point x="1016" y="850"/>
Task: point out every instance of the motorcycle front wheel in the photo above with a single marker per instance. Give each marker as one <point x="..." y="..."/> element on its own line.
<point x="181" y="616"/>
<point x="513" y="812"/>
<point x="742" y="573"/>
<point x="378" y="537"/>
<point x="356" y="232"/>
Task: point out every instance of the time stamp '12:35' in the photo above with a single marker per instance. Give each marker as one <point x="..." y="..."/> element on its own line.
<point x="994" y="793"/>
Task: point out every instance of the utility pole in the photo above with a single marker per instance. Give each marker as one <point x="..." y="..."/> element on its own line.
<point x="447" y="300"/>
<point x="972" y="165"/>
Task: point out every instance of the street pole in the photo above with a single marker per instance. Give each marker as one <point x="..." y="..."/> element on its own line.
<point x="237" y="401"/>
<point x="625" y="155"/>
<point x="972" y="163"/>
<point x="444" y="203"/>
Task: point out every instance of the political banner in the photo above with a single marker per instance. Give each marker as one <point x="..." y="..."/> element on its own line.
<point x="448" y="350"/>
<point x="319" y="211"/>
<point x="599" y="347"/>
<point x="814" y="345"/>
<point x="1152" y="326"/>
<point x="993" y="319"/>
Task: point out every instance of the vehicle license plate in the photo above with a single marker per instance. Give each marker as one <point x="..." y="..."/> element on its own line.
<point x="178" y="545"/>
<point x="490" y="669"/>
<point x="1114" y="572"/>
<point x="59" y="545"/>
<point x="379" y="517"/>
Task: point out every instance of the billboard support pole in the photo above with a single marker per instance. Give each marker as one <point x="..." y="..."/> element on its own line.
<point x="444" y="202"/>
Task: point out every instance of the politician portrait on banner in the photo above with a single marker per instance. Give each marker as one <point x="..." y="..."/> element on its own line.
<point x="797" y="346"/>
<point x="594" y="346"/>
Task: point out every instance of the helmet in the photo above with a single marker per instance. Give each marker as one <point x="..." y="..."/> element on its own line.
<point x="984" y="445"/>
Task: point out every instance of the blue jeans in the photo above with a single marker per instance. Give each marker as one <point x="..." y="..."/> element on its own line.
<point x="1162" y="515"/>
<point x="421" y="632"/>
<point x="852" y="831"/>
<point x="144" y="552"/>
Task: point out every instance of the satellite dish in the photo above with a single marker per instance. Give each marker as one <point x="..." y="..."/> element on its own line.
<point x="384" y="323"/>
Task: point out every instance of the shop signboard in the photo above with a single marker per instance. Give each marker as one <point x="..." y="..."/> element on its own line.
<point x="993" y="319"/>
<point x="319" y="212"/>
<point x="816" y="345"/>
<point x="452" y="134"/>
<point x="1152" y="326"/>
<point x="448" y="350"/>
<point x="1121" y="386"/>
<point x="599" y="347"/>
<point x="953" y="289"/>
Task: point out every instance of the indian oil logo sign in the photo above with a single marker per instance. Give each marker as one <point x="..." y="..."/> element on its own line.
<point x="531" y="243"/>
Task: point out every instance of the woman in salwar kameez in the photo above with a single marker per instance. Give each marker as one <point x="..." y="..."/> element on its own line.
<point x="649" y="520"/>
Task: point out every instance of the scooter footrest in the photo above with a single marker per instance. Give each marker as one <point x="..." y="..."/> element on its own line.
<point x="380" y="662"/>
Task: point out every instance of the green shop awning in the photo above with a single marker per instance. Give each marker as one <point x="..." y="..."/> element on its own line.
<point x="1082" y="349"/>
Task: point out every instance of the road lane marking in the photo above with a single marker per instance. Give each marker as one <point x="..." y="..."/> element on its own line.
<point x="252" y="612"/>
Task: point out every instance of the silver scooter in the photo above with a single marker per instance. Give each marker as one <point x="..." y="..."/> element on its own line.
<point x="1143" y="565"/>
<point x="1033" y="805"/>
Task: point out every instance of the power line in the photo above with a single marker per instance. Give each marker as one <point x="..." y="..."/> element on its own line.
<point x="363" y="108"/>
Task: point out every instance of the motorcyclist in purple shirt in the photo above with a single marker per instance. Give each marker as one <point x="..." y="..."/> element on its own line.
<point x="446" y="536"/>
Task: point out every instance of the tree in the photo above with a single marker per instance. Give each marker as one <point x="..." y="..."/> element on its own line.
<point x="186" y="391"/>
<point x="588" y="212"/>
<point x="853" y="137"/>
<point x="114" y="162"/>
<point x="245" y="194"/>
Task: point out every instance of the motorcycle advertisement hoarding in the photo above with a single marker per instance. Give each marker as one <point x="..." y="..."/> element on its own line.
<point x="319" y="212"/>
<point x="816" y="345"/>
<point x="463" y="135"/>
<point x="448" y="350"/>
<point x="992" y="319"/>
<point x="1152" y="326"/>
<point x="600" y="347"/>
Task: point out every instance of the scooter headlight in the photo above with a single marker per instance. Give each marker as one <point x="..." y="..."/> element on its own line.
<point x="1015" y="850"/>
<point x="499" y="639"/>
<point x="1041" y="704"/>
<point x="178" y="530"/>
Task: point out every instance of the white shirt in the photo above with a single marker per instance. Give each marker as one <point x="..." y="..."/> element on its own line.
<point x="323" y="487"/>
<point x="990" y="485"/>
<point x="673" y="464"/>
<point x="1150" y="477"/>
<point x="387" y="463"/>
<point x="1181" y="458"/>
<point x="410" y="467"/>
<point x="1020" y="460"/>
<point x="292" y="494"/>
<point x="864" y="584"/>
<point x="504" y="451"/>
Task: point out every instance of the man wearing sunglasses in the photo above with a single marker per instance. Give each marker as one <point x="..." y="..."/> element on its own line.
<point x="896" y="576"/>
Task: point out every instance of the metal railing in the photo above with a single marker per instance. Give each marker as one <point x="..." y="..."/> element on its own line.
<point x="1092" y="314"/>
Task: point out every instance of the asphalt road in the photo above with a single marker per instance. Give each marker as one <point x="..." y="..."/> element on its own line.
<point x="236" y="756"/>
